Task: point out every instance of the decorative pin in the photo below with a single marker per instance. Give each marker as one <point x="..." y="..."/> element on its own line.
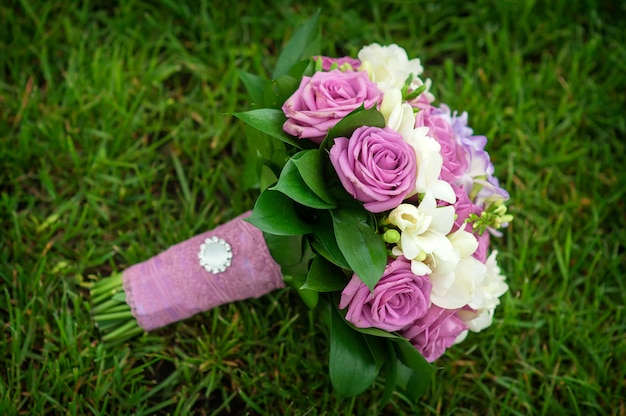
<point x="215" y="255"/>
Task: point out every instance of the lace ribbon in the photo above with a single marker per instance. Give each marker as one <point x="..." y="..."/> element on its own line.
<point x="173" y="285"/>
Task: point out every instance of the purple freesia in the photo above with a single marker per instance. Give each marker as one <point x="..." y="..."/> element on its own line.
<point x="376" y="166"/>
<point x="399" y="298"/>
<point x="435" y="332"/>
<point x="322" y="100"/>
<point x="460" y="127"/>
<point x="478" y="163"/>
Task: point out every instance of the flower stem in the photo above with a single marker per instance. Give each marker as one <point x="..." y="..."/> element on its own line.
<point x="123" y="332"/>
<point x="111" y="313"/>
<point x="113" y="316"/>
<point x="103" y="286"/>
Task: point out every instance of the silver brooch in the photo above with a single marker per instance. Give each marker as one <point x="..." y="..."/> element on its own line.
<point x="215" y="255"/>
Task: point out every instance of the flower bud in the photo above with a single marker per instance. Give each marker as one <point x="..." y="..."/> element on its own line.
<point x="391" y="236"/>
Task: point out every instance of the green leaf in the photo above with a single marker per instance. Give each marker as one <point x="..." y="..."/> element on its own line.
<point x="352" y="366"/>
<point x="298" y="45"/>
<point x="411" y="383"/>
<point x="292" y="253"/>
<point x="291" y="184"/>
<point x="269" y="121"/>
<point x="325" y="242"/>
<point x="389" y="372"/>
<point x="255" y="85"/>
<point x="286" y="250"/>
<point x="309" y="164"/>
<point x="309" y="297"/>
<point x="267" y="177"/>
<point x="301" y="68"/>
<point x="275" y="213"/>
<point x="378" y="333"/>
<point x="360" y="244"/>
<point x="266" y="149"/>
<point x="279" y="90"/>
<point x="262" y="152"/>
<point x="357" y="118"/>
<point x="324" y="276"/>
<point x="418" y="382"/>
<point x="378" y="348"/>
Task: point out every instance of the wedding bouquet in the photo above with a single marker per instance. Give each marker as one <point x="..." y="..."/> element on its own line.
<point x="376" y="206"/>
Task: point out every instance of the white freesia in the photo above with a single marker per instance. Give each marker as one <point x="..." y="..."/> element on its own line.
<point x="429" y="163"/>
<point x="453" y="289"/>
<point x="488" y="297"/>
<point x="389" y="66"/>
<point x="399" y="116"/>
<point x="463" y="241"/>
<point x="391" y="100"/>
<point x="456" y="283"/>
<point x="423" y="233"/>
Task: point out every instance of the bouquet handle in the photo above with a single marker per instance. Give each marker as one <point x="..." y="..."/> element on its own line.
<point x="229" y="263"/>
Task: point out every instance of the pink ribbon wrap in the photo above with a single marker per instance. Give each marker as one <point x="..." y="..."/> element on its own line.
<point x="173" y="285"/>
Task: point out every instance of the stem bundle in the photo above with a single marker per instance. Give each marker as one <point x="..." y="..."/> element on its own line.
<point x="110" y="311"/>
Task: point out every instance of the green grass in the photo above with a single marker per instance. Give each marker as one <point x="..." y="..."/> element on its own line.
<point x="115" y="144"/>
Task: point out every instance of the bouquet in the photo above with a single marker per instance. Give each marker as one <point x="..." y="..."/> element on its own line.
<point x="376" y="206"/>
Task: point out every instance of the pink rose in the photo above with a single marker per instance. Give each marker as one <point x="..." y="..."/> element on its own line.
<point x="322" y="100"/>
<point x="483" y="246"/>
<point x="399" y="298"/>
<point x="327" y="62"/>
<point x="454" y="158"/>
<point x="463" y="207"/>
<point x="435" y="332"/>
<point x="454" y="161"/>
<point x="376" y="166"/>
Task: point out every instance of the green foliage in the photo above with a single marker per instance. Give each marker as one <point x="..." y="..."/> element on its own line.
<point x="304" y="43"/>
<point x="357" y="118"/>
<point x="302" y="182"/>
<point x="292" y="184"/>
<point x="350" y="356"/>
<point x="99" y="104"/>
<point x="310" y="167"/>
<point x="276" y="213"/>
<point x="269" y="121"/>
<point x="324" y="276"/>
<point x="361" y="246"/>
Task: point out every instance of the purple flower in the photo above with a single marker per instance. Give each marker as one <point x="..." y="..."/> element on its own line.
<point x="322" y="100"/>
<point x="460" y="127"/>
<point x="376" y="166"/>
<point x="463" y="207"/>
<point x="327" y="62"/>
<point x="483" y="246"/>
<point x="399" y="298"/>
<point x="435" y="332"/>
<point x="452" y="151"/>
<point x="478" y="163"/>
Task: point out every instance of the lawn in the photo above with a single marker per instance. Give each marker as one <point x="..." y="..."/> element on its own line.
<point x="116" y="142"/>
